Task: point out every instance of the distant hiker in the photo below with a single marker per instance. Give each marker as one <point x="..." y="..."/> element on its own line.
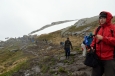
<point x="83" y="47"/>
<point x="90" y="39"/>
<point x="45" y="40"/>
<point x="61" y="43"/>
<point x="104" y="42"/>
<point x="67" y="46"/>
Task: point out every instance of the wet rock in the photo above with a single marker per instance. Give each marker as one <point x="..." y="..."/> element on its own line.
<point x="14" y="50"/>
<point x="36" y="69"/>
<point x="79" y="73"/>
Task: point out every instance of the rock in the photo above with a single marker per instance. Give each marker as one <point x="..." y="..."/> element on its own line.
<point x="79" y="73"/>
<point x="36" y="69"/>
<point x="62" y="58"/>
<point x="14" y="50"/>
<point x="60" y="64"/>
<point x="1" y="47"/>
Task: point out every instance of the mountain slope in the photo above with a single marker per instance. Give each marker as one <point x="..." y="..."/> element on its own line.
<point x="45" y="56"/>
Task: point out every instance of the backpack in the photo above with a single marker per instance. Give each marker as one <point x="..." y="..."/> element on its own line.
<point x="88" y="39"/>
<point x="85" y="40"/>
<point x="91" y="57"/>
<point x="67" y="44"/>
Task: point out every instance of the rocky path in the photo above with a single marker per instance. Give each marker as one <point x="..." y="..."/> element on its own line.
<point x="56" y="65"/>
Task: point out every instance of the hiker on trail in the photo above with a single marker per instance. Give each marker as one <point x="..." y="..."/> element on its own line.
<point x="105" y="46"/>
<point x="88" y="40"/>
<point x="83" y="47"/>
<point x="67" y="46"/>
<point x="86" y="44"/>
<point x="61" y="44"/>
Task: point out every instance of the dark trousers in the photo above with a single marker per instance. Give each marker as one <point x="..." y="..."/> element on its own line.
<point x="67" y="52"/>
<point x="107" y="67"/>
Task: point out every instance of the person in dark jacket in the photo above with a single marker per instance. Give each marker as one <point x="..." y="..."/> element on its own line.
<point x="105" y="43"/>
<point x="67" y="46"/>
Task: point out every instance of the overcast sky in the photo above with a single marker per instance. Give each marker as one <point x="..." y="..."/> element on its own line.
<point x="20" y="17"/>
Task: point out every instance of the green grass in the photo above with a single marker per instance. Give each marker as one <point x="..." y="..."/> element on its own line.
<point x="46" y="63"/>
<point x="49" y="36"/>
<point x="10" y="56"/>
<point x="62" y="70"/>
<point x="44" y="68"/>
<point x="15" y="69"/>
<point x="7" y="60"/>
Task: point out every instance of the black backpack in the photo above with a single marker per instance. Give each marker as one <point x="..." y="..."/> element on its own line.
<point x="91" y="57"/>
<point x="67" y="44"/>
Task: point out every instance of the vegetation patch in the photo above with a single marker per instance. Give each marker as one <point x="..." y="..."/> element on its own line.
<point x="62" y="70"/>
<point x="14" y="69"/>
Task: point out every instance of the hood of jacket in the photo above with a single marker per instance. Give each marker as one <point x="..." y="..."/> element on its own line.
<point x="108" y="19"/>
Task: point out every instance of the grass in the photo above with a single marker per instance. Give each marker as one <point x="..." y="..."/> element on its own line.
<point x="49" y="36"/>
<point x="46" y="62"/>
<point x="44" y="68"/>
<point x="62" y="70"/>
<point x="15" y="69"/>
<point x="10" y="56"/>
<point x="11" y="61"/>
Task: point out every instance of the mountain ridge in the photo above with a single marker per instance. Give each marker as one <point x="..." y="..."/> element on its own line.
<point x="43" y="55"/>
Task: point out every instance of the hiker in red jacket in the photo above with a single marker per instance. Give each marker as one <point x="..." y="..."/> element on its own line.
<point x="105" y="46"/>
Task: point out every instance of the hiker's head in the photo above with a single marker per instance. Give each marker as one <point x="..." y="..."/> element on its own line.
<point x="102" y="18"/>
<point x="67" y="38"/>
<point x="105" y="17"/>
<point x="91" y="34"/>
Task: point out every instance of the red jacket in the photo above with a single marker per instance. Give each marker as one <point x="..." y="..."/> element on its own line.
<point x="105" y="49"/>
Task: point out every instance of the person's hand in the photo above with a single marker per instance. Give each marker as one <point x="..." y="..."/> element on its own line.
<point x="90" y="49"/>
<point x="99" y="37"/>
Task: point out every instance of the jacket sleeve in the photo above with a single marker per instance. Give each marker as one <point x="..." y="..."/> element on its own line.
<point x="71" y="45"/>
<point x="109" y="40"/>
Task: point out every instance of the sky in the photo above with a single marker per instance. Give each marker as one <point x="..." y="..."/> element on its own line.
<point x="20" y="17"/>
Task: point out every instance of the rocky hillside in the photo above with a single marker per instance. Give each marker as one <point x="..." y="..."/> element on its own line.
<point x="44" y="56"/>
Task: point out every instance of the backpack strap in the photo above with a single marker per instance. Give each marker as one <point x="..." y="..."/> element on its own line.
<point x="97" y="30"/>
